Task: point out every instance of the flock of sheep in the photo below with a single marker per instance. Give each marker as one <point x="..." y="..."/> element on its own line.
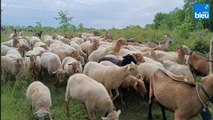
<point x="97" y="65"/>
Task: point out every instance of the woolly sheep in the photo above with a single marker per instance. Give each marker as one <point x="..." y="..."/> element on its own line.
<point x="114" y="75"/>
<point x="93" y="94"/>
<point x="71" y="66"/>
<point x="52" y="63"/>
<point x="40" y="99"/>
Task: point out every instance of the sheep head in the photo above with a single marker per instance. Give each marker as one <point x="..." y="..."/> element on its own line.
<point x="74" y="54"/>
<point x="59" y="75"/>
<point x="112" y="115"/>
<point x="139" y="57"/>
<point x="129" y="57"/>
<point x="95" y="44"/>
<point x="132" y="69"/>
<point x="140" y="87"/>
<point x="75" y="66"/>
<point x="19" y="63"/>
<point x="42" y="114"/>
<point x="120" y="42"/>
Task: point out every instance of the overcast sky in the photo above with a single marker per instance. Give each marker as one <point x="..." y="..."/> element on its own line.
<point x="92" y="13"/>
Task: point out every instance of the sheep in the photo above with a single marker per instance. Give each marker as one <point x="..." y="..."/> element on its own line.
<point x="13" y="53"/>
<point x="93" y="94"/>
<point x="4" y="49"/>
<point x="71" y="66"/>
<point x="63" y="50"/>
<point x="77" y="40"/>
<point x="12" y="66"/>
<point x="34" y="40"/>
<point x="89" y="46"/>
<point x="126" y="60"/>
<point x="178" y="69"/>
<point x="163" y="45"/>
<point x="116" y="48"/>
<point x="33" y="64"/>
<point x="114" y="75"/>
<point x="8" y="43"/>
<point x="52" y="63"/>
<point x="149" y="60"/>
<point x="38" y="34"/>
<point x="41" y="44"/>
<point x="78" y="47"/>
<point x="15" y="33"/>
<point x="172" y="94"/>
<point x="132" y="81"/>
<point x="199" y="63"/>
<point x="48" y="40"/>
<point x="129" y="81"/>
<point x="138" y="58"/>
<point x="177" y="56"/>
<point x="40" y="99"/>
<point x="96" y="55"/>
<point x="146" y="69"/>
<point x="39" y="50"/>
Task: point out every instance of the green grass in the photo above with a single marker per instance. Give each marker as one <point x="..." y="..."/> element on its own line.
<point x="14" y="105"/>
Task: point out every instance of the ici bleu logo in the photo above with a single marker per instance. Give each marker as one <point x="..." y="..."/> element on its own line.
<point x="201" y="11"/>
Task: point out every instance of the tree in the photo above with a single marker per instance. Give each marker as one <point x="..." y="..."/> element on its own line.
<point x="158" y="19"/>
<point x="38" y="26"/>
<point x="64" y="20"/>
<point x="81" y="27"/>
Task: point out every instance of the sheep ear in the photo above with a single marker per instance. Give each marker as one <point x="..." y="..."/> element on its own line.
<point x="55" y="72"/>
<point x="135" y="85"/>
<point x="118" y="113"/>
<point x="128" y="67"/>
<point x="104" y="118"/>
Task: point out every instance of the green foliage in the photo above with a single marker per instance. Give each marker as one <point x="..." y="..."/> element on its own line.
<point x="64" y="21"/>
<point x="81" y="27"/>
<point x="182" y="20"/>
<point x="38" y="26"/>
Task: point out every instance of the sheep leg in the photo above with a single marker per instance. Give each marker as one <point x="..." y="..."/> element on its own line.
<point x="110" y="93"/>
<point x="150" y="110"/>
<point x="122" y="101"/>
<point x="67" y="106"/>
<point x="163" y="113"/>
<point x="90" y="112"/>
<point x="116" y="95"/>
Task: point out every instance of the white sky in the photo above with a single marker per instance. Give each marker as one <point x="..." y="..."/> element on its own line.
<point x="92" y="13"/>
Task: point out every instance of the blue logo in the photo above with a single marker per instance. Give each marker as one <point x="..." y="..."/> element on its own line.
<point x="201" y="11"/>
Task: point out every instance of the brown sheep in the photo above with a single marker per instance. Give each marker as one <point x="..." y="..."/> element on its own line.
<point x="184" y="99"/>
<point x="199" y="63"/>
<point x="116" y="48"/>
<point x="163" y="45"/>
<point x="132" y="81"/>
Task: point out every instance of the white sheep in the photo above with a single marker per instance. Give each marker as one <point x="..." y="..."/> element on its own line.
<point x="52" y="63"/>
<point x="13" y="53"/>
<point x="71" y="66"/>
<point x="33" y="64"/>
<point x="34" y="40"/>
<point x="89" y="46"/>
<point x="40" y="98"/>
<point x="93" y="94"/>
<point x="146" y="69"/>
<point x="113" y="75"/>
<point x="41" y="44"/>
